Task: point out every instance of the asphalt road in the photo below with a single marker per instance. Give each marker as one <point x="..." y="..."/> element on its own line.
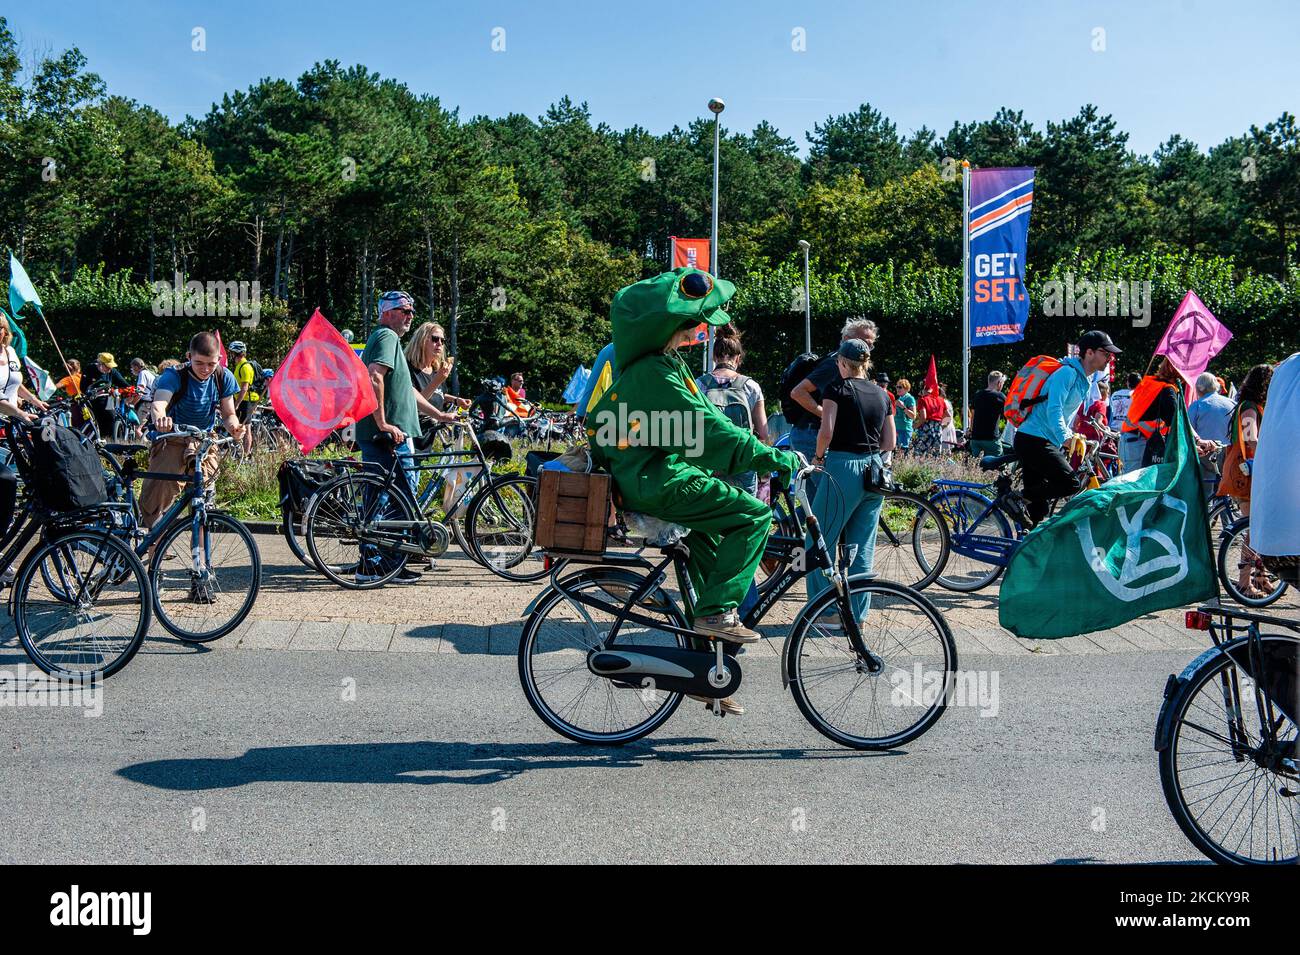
<point x="255" y="756"/>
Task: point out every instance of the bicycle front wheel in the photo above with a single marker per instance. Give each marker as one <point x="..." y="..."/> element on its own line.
<point x="1235" y="555"/>
<point x="500" y="526"/>
<point x="97" y="619"/>
<point x="833" y="687"/>
<point x="202" y="591"/>
<point x="1224" y="790"/>
<point x="346" y="518"/>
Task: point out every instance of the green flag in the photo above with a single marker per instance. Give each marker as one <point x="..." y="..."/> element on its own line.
<point x="1139" y="543"/>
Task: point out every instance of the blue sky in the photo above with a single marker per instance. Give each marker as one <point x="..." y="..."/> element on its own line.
<point x="1207" y="70"/>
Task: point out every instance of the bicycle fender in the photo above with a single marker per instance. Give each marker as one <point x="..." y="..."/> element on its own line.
<point x="1173" y="690"/>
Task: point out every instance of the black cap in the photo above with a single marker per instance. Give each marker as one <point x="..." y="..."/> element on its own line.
<point x="1097" y="339"/>
<point x="882" y="378"/>
<point x="853" y="349"/>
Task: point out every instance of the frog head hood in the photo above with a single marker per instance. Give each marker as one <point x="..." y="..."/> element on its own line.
<point x="647" y="314"/>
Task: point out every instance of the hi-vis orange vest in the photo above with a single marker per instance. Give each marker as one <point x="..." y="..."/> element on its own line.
<point x="1147" y="391"/>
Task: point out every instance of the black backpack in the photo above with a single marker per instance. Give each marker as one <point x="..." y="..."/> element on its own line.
<point x="60" y="467"/>
<point x="796" y="372"/>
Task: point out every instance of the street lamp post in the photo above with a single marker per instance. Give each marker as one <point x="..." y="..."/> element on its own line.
<point x="807" y="300"/>
<point x="716" y="106"/>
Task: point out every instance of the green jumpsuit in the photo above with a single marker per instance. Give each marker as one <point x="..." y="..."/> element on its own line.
<point x="663" y="441"/>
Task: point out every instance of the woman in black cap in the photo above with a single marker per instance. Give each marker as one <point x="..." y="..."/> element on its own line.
<point x="857" y="429"/>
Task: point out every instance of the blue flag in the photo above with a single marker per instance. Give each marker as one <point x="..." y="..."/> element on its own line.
<point x="997" y="227"/>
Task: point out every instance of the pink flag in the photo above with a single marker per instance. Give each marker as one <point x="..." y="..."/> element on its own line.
<point x="221" y="349"/>
<point x="322" y="384"/>
<point x="1193" y="337"/>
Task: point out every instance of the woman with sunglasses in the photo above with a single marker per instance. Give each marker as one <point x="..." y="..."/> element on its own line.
<point x="426" y="353"/>
<point x="663" y="442"/>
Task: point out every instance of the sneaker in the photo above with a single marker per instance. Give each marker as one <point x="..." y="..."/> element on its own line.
<point x="726" y="626"/>
<point x="831" y="623"/>
<point x="7" y="577"/>
<point x="406" y="576"/>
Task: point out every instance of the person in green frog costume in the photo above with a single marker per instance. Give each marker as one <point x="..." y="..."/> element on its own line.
<point x="663" y="442"/>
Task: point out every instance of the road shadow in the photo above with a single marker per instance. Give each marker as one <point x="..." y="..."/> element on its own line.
<point x="434" y="762"/>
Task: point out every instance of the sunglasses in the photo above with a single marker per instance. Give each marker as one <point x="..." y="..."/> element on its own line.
<point x="437" y="338"/>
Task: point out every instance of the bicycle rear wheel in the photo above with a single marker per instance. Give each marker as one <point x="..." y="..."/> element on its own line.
<point x="342" y="521"/>
<point x="964" y="512"/>
<point x="500" y="526"/>
<point x="1229" y="805"/>
<point x="95" y="618"/>
<point x="553" y="648"/>
<point x="204" y="598"/>
<point x="911" y="541"/>
<point x="874" y="711"/>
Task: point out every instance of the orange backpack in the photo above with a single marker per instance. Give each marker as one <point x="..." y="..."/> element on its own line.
<point x="1027" y="388"/>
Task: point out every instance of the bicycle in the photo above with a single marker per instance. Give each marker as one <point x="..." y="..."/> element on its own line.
<point x="627" y="671"/>
<point x="81" y="598"/>
<point x="1227" y="740"/>
<point x="911" y="536"/>
<point x="365" y="508"/>
<point x="986" y="522"/>
<point x="204" y="583"/>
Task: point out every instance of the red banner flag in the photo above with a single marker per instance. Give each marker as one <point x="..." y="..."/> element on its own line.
<point x="689" y="253"/>
<point x="221" y="349"/>
<point x="321" y="386"/>
<point x="932" y="378"/>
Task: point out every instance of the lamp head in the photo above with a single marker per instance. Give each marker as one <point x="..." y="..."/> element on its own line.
<point x="716" y="105"/>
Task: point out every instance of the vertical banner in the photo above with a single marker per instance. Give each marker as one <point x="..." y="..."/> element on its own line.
<point x="997" y="230"/>
<point x="689" y="253"/>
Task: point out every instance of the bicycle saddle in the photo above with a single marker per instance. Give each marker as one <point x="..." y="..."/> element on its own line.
<point x="991" y="463"/>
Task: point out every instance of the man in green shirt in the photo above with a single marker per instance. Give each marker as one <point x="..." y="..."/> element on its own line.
<point x="387" y="435"/>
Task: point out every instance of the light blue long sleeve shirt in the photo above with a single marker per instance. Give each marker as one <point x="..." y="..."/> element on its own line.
<point x="1065" y="389"/>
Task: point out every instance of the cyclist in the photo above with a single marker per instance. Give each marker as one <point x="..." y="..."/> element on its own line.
<point x="1046" y="472"/>
<point x="246" y="376"/>
<point x="197" y="393"/>
<point x="1275" y="518"/>
<point x="663" y="442"/>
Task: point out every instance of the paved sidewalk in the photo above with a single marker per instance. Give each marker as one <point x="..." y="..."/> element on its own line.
<point x="459" y="608"/>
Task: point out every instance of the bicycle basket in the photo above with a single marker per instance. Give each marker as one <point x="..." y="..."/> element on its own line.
<point x="300" y="479"/>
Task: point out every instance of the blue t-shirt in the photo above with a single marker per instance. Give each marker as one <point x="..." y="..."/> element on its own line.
<point x="198" y="407"/>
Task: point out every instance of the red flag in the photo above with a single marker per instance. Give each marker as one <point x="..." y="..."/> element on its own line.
<point x="932" y="378"/>
<point x="221" y="349"/>
<point x="689" y="253"/>
<point x="322" y="384"/>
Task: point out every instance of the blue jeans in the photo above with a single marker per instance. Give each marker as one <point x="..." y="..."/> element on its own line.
<point x="844" y="508"/>
<point x="1131" y="447"/>
<point x="804" y="440"/>
<point x="380" y="455"/>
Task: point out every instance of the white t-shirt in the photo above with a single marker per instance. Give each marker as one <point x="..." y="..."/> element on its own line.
<point x="144" y="384"/>
<point x="1117" y="410"/>
<point x="1274" y="513"/>
<point x="11" y="377"/>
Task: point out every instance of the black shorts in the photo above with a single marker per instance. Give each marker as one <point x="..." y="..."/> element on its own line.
<point x="245" y="411"/>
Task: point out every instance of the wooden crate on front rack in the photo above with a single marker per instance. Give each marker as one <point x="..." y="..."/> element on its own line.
<point x="572" y="513"/>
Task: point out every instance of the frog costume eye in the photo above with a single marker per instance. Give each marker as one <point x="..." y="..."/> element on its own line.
<point x="695" y="285"/>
